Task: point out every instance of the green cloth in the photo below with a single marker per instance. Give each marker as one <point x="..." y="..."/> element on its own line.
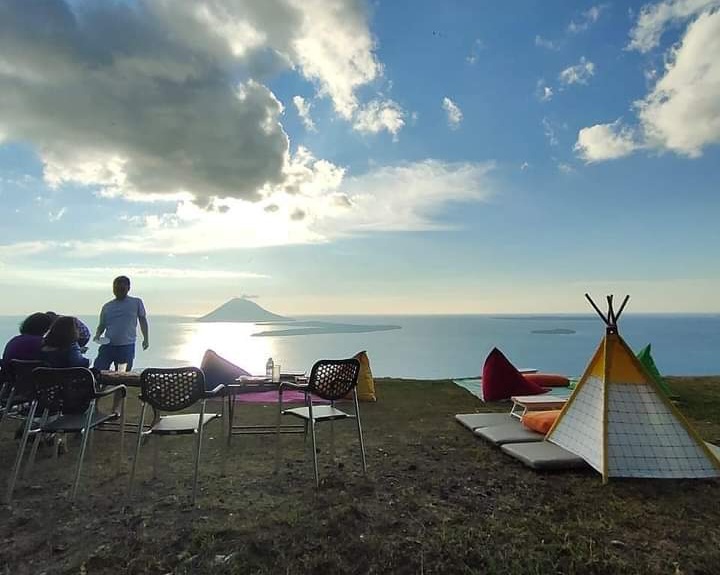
<point x="646" y="359"/>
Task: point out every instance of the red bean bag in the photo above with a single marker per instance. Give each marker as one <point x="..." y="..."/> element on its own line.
<point x="547" y="379"/>
<point x="500" y="379"/>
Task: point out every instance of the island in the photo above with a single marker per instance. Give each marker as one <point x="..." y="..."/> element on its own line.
<point x="240" y="310"/>
<point x="319" y="328"/>
<point x="555" y="331"/>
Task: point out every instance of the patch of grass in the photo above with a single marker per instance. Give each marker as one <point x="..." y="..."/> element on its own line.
<point x="436" y="500"/>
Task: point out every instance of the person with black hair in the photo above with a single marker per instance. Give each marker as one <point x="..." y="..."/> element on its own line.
<point x="27" y="345"/>
<point x="119" y="319"/>
<point x="60" y="345"/>
<point x="84" y="333"/>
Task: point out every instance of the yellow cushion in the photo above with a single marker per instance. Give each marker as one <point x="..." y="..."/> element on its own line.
<point x="366" y="383"/>
<point x="540" y="421"/>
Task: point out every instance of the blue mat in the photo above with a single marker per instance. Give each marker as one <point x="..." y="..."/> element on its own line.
<point x="474" y="386"/>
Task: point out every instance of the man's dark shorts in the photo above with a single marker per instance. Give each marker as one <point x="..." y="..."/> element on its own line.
<point x="109" y="354"/>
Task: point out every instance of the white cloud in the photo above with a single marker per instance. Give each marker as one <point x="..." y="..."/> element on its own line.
<point x="545" y="43"/>
<point x="682" y="111"/>
<point x="57" y="216"/>
<point x="454" y="113"/>
<point x="586" y="19"/>
<point x="565" y="168"/>
<point x="550" y="132"/>
<point x="379" y="115"/>
<point x="655" y="18"/>
<point x="406" y="197"/>
<point x="472" y="58"/>
<point x="547" y="94"/>
<point x="605" y="142"/>
<point x="143" y="99"/>
<point x="580" y="73"/>
<point x="524" y="166"/>
<point x="303" y="109"/>
<point x="99" y="277"/>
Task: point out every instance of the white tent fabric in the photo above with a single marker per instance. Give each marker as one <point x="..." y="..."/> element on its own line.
<point x="620" y="422"/>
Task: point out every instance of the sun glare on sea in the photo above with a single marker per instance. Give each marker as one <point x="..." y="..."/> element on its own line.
<point x="233" y="341"/>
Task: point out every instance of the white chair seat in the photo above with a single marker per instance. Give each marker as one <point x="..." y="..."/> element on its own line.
<point x="179" y="424"/>
<point x="320" y="413"/>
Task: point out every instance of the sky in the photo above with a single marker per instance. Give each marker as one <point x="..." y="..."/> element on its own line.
<point x="350" y="157"/>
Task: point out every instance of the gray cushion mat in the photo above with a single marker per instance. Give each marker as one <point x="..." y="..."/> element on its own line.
<point x="513" y="432"/>
<point x="543" y="455"/>
<point x="474" y="420"/>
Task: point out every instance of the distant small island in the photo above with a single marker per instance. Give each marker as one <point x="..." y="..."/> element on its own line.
<point x="241" y="310"/>
<point x="555" y="331"/>
<point x="318" y="328"/>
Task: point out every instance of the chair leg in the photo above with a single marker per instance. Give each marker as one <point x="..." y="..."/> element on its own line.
<point x="140" y="433"/>
<point x="19" y="456"/>
<point x="314" y="446"/>
<point x="36" y="442"/>
<point x="156" y="457"/>
<point x="86" y="433"/>
<point x="332" y="435"/>
<point x="122" y="434"/>
<point x="277" y="428"/>
<point x="197" y="451"/>
<point x="231" y="416"/>
<point x="359" y="430"/>
<point x="8" y="401"/>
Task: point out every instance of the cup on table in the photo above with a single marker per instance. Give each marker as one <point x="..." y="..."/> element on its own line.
<point x="276" y="373"/>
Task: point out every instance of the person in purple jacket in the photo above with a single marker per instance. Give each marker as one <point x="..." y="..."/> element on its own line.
<point x="60" y="345"/>
<point x="27" y="345"/>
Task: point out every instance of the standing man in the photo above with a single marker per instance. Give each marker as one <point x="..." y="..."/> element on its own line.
<point x="118" y="320"/>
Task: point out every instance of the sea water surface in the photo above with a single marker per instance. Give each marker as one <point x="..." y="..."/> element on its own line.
<point x="429" y="347"/>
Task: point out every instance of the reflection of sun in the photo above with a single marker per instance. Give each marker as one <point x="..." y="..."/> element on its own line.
<point x="232" y="341"/>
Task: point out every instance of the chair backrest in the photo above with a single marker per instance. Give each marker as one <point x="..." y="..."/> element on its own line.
<point x="172" y="389"/>
<point x="66" y="390"/>
<point x="333" y="379"/>
<point x="20" y="375"/>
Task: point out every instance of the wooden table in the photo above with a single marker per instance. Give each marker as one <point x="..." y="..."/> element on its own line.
<point x="535" y="403"/>
<point x="127" y="378"/>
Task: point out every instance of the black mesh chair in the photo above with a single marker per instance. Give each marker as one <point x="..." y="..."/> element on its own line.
<point x="331" y="380"/>
<point x="17" y="392"/>
<point x="67" y="399"/>
<point x="174" y="390"/>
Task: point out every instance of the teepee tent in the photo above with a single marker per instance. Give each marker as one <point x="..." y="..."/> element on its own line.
<point x="621" y="423"/>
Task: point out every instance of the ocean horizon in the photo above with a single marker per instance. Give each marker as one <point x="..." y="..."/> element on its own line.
<point x="426" y="346"/>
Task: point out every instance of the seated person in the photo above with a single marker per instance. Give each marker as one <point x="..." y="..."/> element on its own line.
<point x="84" y="334"/>
<point x="27" y="345"/>
<point x="60" y="345"/>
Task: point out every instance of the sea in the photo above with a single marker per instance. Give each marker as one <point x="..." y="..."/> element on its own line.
<point x="429" y="346"/>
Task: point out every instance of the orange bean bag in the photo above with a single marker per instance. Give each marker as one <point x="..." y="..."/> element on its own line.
<point x="540" y="421"/>
<point x="547" y="379"/>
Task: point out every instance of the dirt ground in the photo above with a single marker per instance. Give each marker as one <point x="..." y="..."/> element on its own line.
<point x="435" y="500"/>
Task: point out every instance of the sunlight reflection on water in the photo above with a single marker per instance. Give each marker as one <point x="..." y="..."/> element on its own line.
<point x="233" y="341"/>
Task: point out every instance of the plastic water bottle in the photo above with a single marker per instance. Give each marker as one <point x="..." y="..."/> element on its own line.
<point x="269" y="367"/>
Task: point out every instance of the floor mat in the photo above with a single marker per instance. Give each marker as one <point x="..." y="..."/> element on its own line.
<point x="474" y="386"/>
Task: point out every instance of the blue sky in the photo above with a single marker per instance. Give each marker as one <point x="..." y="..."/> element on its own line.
<point x="346" y="157"/>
